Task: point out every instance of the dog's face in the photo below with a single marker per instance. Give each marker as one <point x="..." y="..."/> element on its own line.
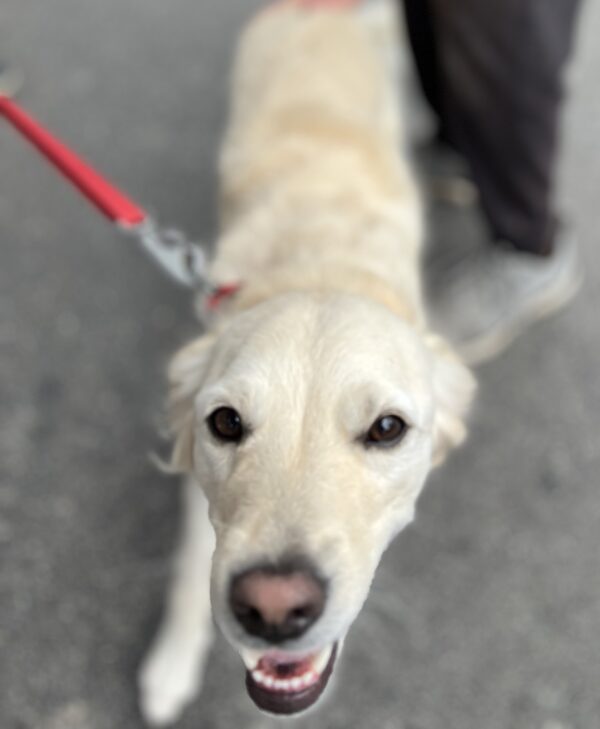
<point x="311" y="423"/>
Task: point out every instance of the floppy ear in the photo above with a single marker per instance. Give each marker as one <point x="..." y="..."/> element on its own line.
<point x="186" y="374"/>
<point x="454" y="387"/>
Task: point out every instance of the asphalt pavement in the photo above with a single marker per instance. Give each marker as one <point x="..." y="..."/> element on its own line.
<point x="485" y="614"/>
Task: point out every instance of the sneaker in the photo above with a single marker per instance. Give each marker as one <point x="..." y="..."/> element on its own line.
<point x="494" y="294"/>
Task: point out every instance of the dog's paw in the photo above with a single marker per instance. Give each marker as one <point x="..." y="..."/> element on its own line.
<point x="169" y="679"/>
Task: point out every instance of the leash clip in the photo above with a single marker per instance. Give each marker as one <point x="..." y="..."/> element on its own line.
<point x="183" y="260"/>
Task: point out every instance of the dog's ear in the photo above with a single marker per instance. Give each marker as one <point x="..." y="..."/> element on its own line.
<point x="186" y="373"/>
<point x="454" y="387"/>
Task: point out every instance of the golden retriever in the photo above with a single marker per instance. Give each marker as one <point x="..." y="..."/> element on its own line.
<point x="307" y="417"/>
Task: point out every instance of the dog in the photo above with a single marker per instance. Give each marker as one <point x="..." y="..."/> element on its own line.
<point x="308" y="416"/>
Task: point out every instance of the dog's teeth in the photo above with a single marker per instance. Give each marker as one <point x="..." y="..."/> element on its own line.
<point x="285" y="684"/>
<point x="310" y="678"/>
<point x="296" y="683"/>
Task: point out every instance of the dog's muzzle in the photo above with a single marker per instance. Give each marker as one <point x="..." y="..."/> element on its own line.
<point x="278" y="604"/>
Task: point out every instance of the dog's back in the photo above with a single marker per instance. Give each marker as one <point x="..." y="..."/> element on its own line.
<point x="311" y="164"/>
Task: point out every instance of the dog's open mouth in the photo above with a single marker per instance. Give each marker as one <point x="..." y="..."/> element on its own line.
<point x="286" y="683"/>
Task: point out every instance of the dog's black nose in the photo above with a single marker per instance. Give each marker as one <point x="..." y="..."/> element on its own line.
<point x="277" y="603"/>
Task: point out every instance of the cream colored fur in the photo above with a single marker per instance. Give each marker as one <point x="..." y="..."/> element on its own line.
<point x="322" y="227"/>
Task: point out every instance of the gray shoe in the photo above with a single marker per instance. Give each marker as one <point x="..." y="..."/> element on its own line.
<point x="494" y="294"/>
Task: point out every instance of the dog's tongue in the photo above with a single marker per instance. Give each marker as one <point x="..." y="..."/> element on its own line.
<point x="282" y="684"/>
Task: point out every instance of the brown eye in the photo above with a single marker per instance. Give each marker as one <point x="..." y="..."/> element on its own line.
<point x="226" y="425"/>
<point x="387" y="431"/>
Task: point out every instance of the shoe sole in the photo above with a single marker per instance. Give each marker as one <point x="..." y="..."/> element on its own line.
<point x="495" y="342"/>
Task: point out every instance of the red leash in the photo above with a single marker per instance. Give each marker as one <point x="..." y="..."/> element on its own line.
<point x="105" y="196"/>
<point x="180" y="258"/>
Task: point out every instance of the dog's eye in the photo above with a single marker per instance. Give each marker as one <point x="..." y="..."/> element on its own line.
<point x="386" y="431"/>
<point x="226" y="425"/>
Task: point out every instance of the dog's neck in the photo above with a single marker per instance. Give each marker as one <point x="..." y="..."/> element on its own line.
<point x="323" y="243"/>
<point x="322" y="279"/>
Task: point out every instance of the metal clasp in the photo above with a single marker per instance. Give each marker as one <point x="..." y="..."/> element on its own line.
<point x="182" y="260"/>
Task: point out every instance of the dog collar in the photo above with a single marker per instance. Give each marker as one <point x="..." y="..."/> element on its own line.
<point x="220" y="294"/>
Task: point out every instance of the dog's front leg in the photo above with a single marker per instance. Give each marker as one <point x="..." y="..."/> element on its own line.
<point x="171" y="674"/>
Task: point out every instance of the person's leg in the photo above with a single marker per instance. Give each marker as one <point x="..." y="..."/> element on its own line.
<point x="493" y="72"/>
<point x="501" y="65"/>
<point x="421" y="33"/>
<point x="443" y="169"/>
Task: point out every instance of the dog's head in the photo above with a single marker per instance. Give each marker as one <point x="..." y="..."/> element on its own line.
<point x="311" y="422"/>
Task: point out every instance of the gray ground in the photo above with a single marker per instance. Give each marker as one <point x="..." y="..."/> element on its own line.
<point x="485" y="613"/>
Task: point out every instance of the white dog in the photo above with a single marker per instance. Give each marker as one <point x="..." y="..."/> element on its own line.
<point x="309" y="415"/>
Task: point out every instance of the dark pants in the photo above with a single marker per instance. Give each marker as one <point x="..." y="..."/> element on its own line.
<point x="492" y="70"/>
